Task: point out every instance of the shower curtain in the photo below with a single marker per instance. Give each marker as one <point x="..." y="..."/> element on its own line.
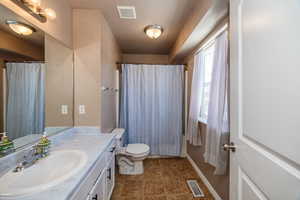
<point x="217" y="130"/>
<point x="152" y="106"/>
<point x="25" y="99"/>
<point x="193" y="134"/>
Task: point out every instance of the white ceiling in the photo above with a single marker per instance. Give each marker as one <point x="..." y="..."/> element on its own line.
<point x="171" y="14"/>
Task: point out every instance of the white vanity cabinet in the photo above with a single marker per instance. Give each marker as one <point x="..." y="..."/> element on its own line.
<point x="104" y="185"/>
<point x="100" y="182"/>
<point x="99" y="189"/>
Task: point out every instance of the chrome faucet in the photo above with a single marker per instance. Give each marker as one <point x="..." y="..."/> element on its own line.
<point x="28" y="160"/>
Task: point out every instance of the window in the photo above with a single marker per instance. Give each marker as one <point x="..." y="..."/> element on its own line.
<point x="208" y="56"/>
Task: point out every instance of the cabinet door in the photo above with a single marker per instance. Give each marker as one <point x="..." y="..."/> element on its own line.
<point x="110" y="178"/>
<point x="99" y="190"/>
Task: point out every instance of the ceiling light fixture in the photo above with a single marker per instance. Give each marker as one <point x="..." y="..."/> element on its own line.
<point x="20" y="28"/>
<point x="153" y="31"/>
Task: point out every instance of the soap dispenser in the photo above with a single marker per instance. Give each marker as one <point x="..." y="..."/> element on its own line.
<point x="43" y="147"/>
<point x="6" y="145"/>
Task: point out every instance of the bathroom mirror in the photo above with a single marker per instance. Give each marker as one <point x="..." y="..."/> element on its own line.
<point x="36" y="76"/>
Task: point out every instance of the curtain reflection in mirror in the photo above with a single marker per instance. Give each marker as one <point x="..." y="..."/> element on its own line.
<point x="25" y="113"/>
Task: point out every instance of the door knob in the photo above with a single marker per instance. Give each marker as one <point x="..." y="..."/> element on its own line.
<point x="229" y="147"/>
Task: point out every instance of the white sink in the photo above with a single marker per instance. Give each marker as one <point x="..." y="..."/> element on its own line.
<point x="45" y="173"/>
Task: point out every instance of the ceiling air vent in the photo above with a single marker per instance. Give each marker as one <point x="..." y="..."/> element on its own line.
<point x="127" y="12"/>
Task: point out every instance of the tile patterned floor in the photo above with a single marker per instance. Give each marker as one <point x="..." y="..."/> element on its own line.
<point x="163" y="179"/>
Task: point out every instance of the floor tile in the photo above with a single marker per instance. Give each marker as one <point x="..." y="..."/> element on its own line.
<point x="155" y="198"/>
<point x="163" y="179"/>
<point x="154" y="187"/>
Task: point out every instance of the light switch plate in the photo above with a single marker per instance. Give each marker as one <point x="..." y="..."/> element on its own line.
<point x="64" y="109"/>
<point x="81" y="109"/>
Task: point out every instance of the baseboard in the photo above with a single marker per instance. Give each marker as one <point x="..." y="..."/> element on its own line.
<point x="157" y="156"/>
<point x="204" y="179"/>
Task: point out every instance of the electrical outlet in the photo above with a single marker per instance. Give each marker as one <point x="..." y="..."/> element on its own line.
<point x="64" y="109"/>
<point x="81" y="109"/>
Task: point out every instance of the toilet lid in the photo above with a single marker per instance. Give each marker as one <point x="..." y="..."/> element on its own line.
<point x="137" y="148"/>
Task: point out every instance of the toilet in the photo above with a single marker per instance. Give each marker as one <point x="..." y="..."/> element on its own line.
<point x="130" y="158"/>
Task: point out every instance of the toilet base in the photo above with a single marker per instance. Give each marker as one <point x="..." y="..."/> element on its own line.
<point x="128" y="167"/>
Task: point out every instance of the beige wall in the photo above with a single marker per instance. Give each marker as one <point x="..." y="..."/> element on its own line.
<point x="204" y="17"/>
<point x="87" y="62"/>
<point x="59" y="83"/>
<point x="145" y="58"/>
<point x="60" y="28"/>
<point x="11" y="43"/>
<point x="195" y="17"/>
<point x="220" y="182"/>
<point x="95" y="55"/>
<point x="110" y="54"/>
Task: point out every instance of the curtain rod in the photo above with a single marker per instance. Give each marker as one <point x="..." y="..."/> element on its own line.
<point x="6" y="61"/>
<point x="120" y="69"/>
<point x="118" y="63"/>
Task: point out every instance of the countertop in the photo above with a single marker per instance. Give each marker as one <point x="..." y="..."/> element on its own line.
<point x="92" y="144"/>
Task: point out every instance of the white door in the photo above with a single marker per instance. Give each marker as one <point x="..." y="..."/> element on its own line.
<point x="265" y="99"/>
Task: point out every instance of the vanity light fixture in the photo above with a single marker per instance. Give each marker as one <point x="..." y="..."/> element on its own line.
<point x="34" y="8"/>
<point x="153" y="31"/>
<point x="50" y="13"/>
<point x="35" y="2"/>
<point x="20" y="28"/>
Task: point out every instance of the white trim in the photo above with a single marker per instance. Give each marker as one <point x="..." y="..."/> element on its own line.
<point x="186" y="83"/>
<point x="117" y="87"/>
<point x="4" y="83"/>
<point x="183" y="145"/>
<point x="204" y="179"/>
<point x="158" y="156"/>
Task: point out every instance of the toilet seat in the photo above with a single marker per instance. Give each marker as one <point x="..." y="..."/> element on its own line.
<point x="137" y="150"/>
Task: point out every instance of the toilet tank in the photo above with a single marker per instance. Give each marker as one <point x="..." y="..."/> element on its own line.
<point x="119" y="136"/>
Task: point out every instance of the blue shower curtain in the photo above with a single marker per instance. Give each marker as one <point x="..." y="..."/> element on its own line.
<point x="152" y="106"/>
<point x="25" y="113"/>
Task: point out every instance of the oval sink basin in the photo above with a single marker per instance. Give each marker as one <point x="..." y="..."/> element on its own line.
<point x="45" y="173"/>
